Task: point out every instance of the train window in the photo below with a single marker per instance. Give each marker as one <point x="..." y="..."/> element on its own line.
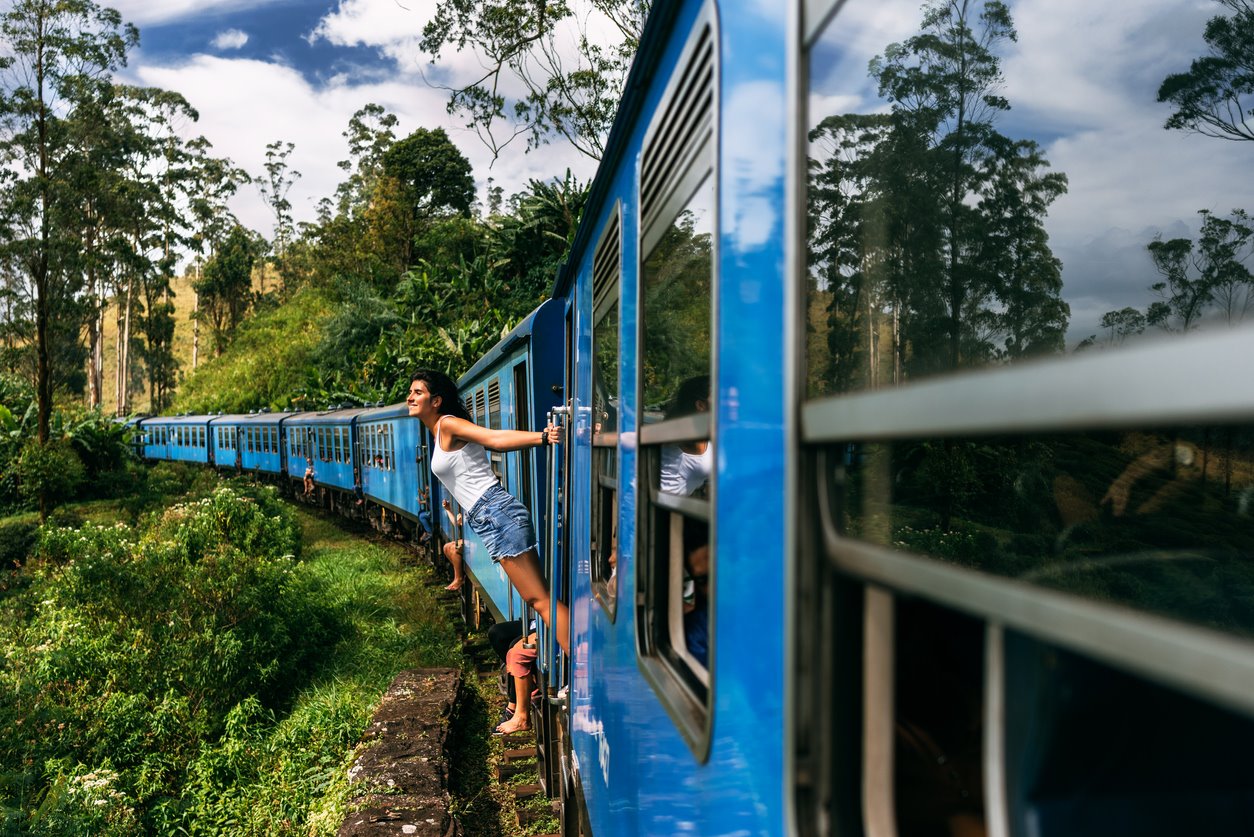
<point x="676" y="437"/>
<point x="1034" y="547"/>
<point x="606" y="273"/>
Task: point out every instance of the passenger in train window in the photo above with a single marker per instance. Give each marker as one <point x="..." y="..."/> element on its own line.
<point x="453" y="549"/>
<point x="460" y="461"/>
<point x="686" y="467"/>
<point x="697" y="602"/>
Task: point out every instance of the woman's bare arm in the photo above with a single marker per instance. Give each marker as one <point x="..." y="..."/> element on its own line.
<point x="498" y="440"/>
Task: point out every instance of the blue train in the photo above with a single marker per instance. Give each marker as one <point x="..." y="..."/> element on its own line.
<point x="869" y="520"/>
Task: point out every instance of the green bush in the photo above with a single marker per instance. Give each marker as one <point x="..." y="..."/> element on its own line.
<point x="53" y="470"/>
<point x="134" y="650"/>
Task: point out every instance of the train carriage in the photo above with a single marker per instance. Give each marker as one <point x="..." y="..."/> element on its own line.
<point x="513" y="387"/>
<point x="324" y="441"/>
<point x="392" y="450"/>
<point x="251" y="442"/>
<point x="177" y="438"/>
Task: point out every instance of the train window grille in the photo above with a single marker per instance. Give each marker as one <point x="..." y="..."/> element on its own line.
<point x="606" y="386"/>
<point x="493" y="413"/>
<point x="676" y="552"/>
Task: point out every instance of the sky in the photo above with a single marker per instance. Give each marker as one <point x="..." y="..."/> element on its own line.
<point x="296" y="70"/>
<point x="1082" y="81"/>
<point x="1081" y="78"/>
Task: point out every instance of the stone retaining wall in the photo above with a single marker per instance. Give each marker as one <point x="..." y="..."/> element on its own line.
<point x="400" y="779"/>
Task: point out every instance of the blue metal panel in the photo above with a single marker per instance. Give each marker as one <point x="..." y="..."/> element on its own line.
<point x="327" y="471"/>
<point x="638" y="775"/>
<point x="397" y="487"/>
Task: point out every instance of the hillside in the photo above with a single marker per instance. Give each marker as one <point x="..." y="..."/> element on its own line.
<point x="184" y="305"/>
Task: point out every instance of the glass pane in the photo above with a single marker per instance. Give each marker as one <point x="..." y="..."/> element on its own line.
<point x="677" y="302"/>
<point x="1152" y="519"/>
<point x="990" y="182"/>
<point x="605" y="373"/>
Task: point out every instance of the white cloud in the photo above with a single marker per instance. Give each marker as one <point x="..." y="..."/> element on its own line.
<point x="282" y="105"/>
<point x="230" y="39"/>
<point x="148" y="12"/>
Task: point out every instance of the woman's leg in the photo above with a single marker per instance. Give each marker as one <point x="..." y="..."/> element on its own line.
<point x="524" y="572"/>
<point x="522" y="712"/>
<point x="454" y="556"/>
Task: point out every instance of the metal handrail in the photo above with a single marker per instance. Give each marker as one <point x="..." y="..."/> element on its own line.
<point x="556" y="673"/>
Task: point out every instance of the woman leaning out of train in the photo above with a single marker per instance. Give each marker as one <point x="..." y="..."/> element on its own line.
<point x="460" y="462"/>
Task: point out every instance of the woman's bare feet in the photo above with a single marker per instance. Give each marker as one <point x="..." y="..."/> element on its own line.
<point x="456" y="585"/>
<point x="514" y="724"/>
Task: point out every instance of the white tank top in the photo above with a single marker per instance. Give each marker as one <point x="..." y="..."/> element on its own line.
<point x="685" y="473"/>
<point x="466" y="473"/>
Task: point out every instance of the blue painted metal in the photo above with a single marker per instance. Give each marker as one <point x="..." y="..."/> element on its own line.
<point x="637" y="774"/>
<point x="397" y="478"/>
<point x="252" y="442"/>
<point x="176" y="438"/>
<point x="330" y="454"/>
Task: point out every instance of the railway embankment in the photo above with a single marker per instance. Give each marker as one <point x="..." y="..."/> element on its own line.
<point x="399" y="782"/>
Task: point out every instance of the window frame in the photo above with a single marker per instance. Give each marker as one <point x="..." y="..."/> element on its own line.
<point x="665" y="665"/>
<point x="598" y="481"/>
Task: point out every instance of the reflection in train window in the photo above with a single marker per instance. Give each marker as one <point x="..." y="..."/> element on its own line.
<point x="966" y="208"/>
<point x="607" y="271"/>
<point x="1157" y="520"/>
<point x="676" y="557"/>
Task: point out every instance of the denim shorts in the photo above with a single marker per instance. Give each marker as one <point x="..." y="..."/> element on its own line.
<point x="502" y="523"/>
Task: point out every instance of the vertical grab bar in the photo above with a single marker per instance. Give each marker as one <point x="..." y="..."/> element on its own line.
<point x="556" y="416"/>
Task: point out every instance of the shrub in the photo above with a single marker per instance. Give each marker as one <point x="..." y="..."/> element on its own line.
<point x="53" y="470"/>
<point x="142" y="647"/>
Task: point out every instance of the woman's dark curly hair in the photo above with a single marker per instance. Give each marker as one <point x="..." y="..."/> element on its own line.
<point x="445" y="388"/>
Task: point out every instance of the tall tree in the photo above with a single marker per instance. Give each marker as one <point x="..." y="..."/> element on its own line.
<point x="211" y="182"/>
<point x="274" y="186"/>
<point x="1197" y="274"/>
<point x="426" y="177"/>
<point x="225" y="289"/>
<point x="522" y="42"/>
<point x="60" y="52"/>
<point x="944" y="83"/>
<point x="1215" y="95"/>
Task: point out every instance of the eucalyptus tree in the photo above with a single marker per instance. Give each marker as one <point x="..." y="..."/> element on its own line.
<point x="571" y="80"/>
<point x="225" y="288"/>
<point x="1215" y="95"/>
<point x="211" y="181"/>
<point x="57" y="54"/>
<point x="274" y="187"/>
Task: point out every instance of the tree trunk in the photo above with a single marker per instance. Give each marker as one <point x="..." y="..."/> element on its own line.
<point x="196" y="319"/>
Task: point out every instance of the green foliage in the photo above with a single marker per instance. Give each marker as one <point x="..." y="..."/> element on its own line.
<point x="272" y="358"/>
<point x="52" y="470"/>
<point x="518" y="43"/>
<point x="225" y="289"/>
<point x="1217" y="92"/>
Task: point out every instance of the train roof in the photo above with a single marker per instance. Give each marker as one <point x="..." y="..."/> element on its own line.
<point x="251" y="418"/>
<point x="521" y="334"/>
<point x="340" y="416"/>
<point x="652" y="42"/>
<point x="198" y="419"/>
<point x="390" y="411"/>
